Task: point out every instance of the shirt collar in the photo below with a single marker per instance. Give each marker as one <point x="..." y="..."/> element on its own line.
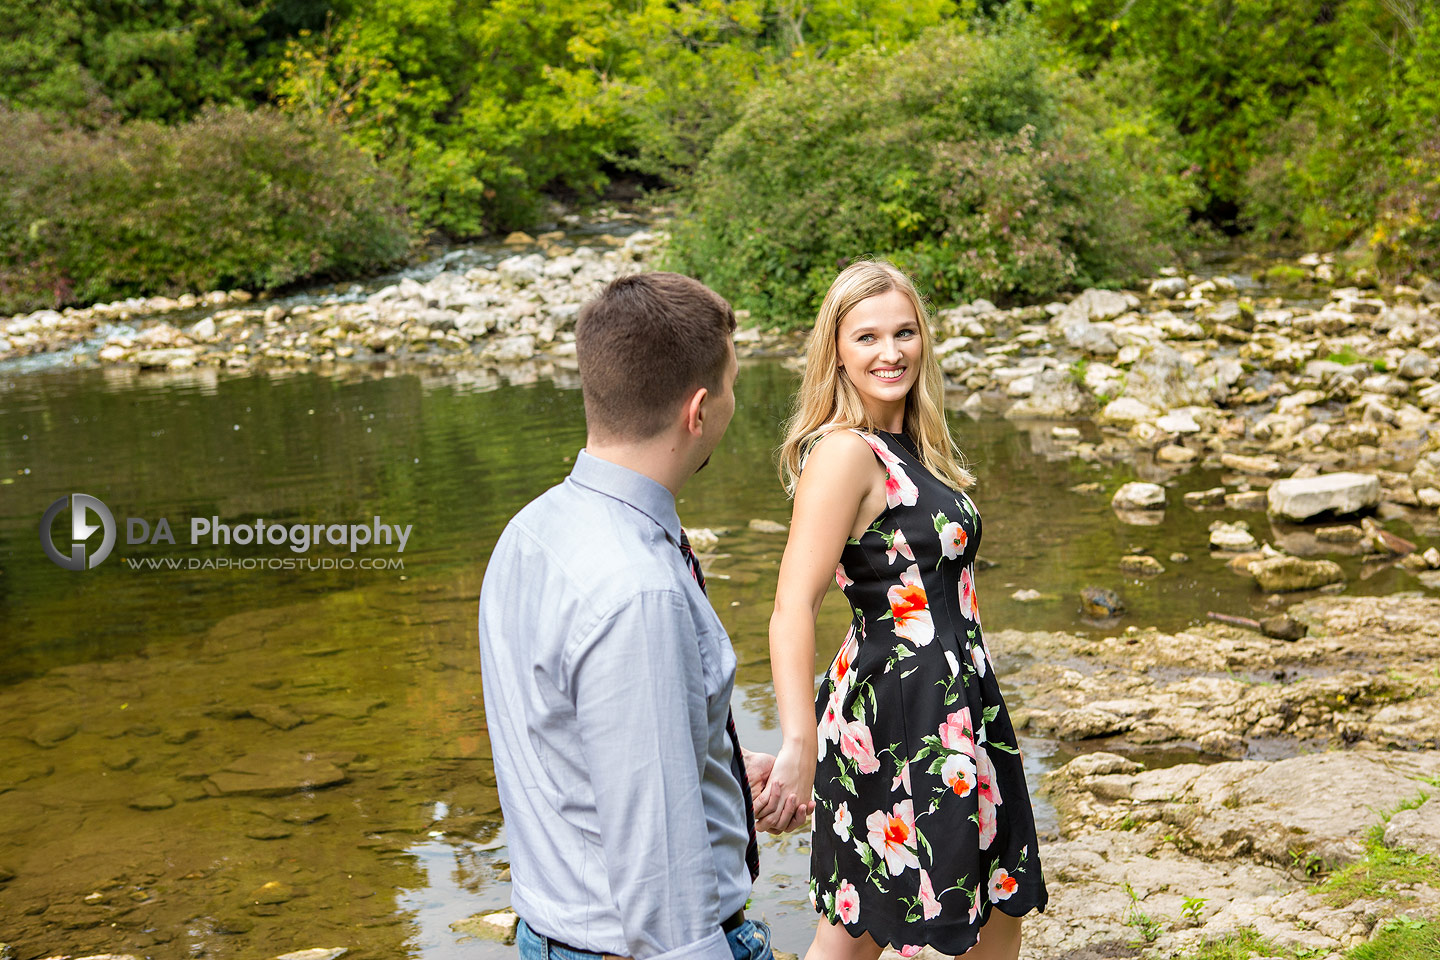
<point x="629" y="487"/>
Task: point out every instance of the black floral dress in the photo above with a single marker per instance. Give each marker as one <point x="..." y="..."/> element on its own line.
<point x="922" y="819"/>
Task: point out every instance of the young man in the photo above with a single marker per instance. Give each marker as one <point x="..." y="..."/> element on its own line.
<point x="607" y="674"/>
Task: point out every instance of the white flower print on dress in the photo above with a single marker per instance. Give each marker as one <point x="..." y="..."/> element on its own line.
<point x="843" y="821"/>
<point x="958" y="772"/>
<point x="953" y="539"/>
<point x="892" y="836"/>
<point x="927" y="897"/>
<point x="832" y="723"/>
<point x="898" y="546"/>
<point x="980" y="657"/>
<point x="911" y="609"/>
<point x="902" y="779"/>
<point x="847" y="902"/>
<point x="1002" y="885"/>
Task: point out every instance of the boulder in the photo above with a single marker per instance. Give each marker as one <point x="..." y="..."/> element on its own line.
<point x="1101" y="304"/>
<point x="1163" y="379"/>
<point x="1417" y="829"/>
<point x="1054" y="395"/>
<point x="1283" y="574"/>
<point x="1103" y="380"/>
<point x="511" y="349"/>
<point x="1138" y="495"/>
<point x="1178" y="421"/>
<point x="1417" y="364"/>
<point x="1096" y="338"/>
<point x="1171" y="287"/>
<point x="1231" y="536"/>
<point x="1333" y="493"/>
<point x="1125" y="412"/>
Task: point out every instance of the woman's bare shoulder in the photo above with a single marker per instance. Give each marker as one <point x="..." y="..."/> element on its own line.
<point x="841" y="453"/>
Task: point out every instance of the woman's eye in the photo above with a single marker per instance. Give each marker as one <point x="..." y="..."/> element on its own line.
<point x="906" y="334"/>
<point x="866" y="337"/>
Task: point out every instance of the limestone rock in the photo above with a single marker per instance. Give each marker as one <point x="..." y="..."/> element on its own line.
<point x="315" y="953"/>
<point x="1252" y="466"/>
<point x="1283" y="574"/>
<point x="1213" y="497"/>
<point x="1282" y="628"/>
<point x="1171" y="287"/>
<point x="767" y="526"/>
<point x="1126" y="411"/>
<point x="275" y="775"/>
<point x="1053" y="395"/>
<point x="1139" y="565"/>
<point x="1336" y="493"/>
<point x="1163" y="379"/>
<point x="1417" y="829"/>
<point x="1101" y="304"/>
<point x="1138" y="495"/>
<point x="500" y="926"/>
<point x="1231" y="536"/>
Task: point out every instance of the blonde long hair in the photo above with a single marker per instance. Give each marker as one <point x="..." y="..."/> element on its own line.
<point x="828" y="401"/>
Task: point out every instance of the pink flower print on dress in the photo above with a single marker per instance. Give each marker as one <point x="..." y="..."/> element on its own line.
<point x="928" y="901"/>
<point x="976" y="899"/>
<point x="832" y="722"/>
<point x="841" y="580"/>
<point x="911" y="609"/>
<point x="989" y="823"/>
<point x="958" y="772"/>
<point x="847" y="902"/>
<point x="891" y="837"/>
<point x="896" y="544"/>
<point x="899" y="488"/>
<point x="1002" y="885"/>
<point x="843" y="822"/>
<point x="840" y="674"/>
<point x="911" y="949"/>
<point x="958" y="733"/>
<point x="856" y="743"/>
<point x="989" y="789"/>
<point x="902" y="779"/>
<point x="969" y="604"/>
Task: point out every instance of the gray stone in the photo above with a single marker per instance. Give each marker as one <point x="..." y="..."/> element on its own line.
<point x="1245" y="500"/>
<point x="1231" y="536"/>
<point x="203" y="330"/>
<point x="1335" y="493"/>
<point x="1085" y="723"/>
<point x="1101" y="304"/>
<point x="1126" y="411"/>
<point x="1138" y="495"/>
<point x="1082" y="334"/>
<point x="1430" y="293"/>
<point x="1163" y="379"/>
<point x="162" y="359"/>
<point x="1171" y="287"/>
<point x="1222" y="743"/>
<point x="1173" y="453"/>
<point x="767" y="526"/>
<point x="499" y="926"/>
<point x="1417" y="364"/>
<point x="1283" y="574"/>
<point x="1281" y="627"/>
<point x="275" y="775"/>
<point x="1417" y="829"/>
<point x="1054" y="395"/>
<point x="511" y="349"/>
<point x="1179" y="421"/>
<point x="1214" y="497"/>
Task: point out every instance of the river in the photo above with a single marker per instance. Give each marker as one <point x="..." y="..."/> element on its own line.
<point x="160" y="713"/>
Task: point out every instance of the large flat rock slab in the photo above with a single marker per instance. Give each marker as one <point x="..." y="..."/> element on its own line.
<point x="1330" y="493"/>
<point x="274" y="775"/>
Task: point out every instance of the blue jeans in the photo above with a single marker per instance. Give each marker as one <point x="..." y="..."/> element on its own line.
<point x="749" y="941"/>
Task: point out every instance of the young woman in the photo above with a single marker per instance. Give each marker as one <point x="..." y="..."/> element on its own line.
<point x="923" y="832"/>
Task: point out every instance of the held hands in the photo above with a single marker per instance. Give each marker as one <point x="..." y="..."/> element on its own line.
<point x="782" y="795"/>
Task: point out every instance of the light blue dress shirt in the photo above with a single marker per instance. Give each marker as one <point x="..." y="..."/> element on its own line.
<point x="607" y="680"/>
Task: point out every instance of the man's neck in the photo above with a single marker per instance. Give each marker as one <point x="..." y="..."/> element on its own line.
<point x="659" y="458"/>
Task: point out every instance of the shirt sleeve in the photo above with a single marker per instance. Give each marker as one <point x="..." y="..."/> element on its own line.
<point x="640" y="705"/>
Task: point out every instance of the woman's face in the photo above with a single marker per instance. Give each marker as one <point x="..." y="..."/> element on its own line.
<point x="880" y="350"/>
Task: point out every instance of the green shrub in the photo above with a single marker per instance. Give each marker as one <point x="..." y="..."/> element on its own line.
<point x="961" y="157"/>
<point x="230" y="199"/>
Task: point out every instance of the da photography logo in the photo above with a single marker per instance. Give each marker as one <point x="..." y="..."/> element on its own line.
<point x="81" y="505"/>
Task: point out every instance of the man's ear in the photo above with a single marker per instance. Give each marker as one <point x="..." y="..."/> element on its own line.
<point x="694" y="411"/>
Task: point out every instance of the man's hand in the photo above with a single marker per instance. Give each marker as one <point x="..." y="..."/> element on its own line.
<point x="758" y="767"/>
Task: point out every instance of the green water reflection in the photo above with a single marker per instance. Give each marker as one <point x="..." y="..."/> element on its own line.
<point x="156" y="725"/>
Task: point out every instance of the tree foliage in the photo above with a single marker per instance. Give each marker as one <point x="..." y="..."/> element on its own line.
<point x="962" y="157"/>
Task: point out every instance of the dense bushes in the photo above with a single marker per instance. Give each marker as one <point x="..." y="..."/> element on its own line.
<point x="962" y="157"/>
<point x="229" y="199"/>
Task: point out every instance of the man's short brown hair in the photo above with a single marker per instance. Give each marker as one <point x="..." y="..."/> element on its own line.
<point x="643" y="345"/>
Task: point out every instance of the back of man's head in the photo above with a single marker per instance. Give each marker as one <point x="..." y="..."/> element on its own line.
<point x="645" y="344"/>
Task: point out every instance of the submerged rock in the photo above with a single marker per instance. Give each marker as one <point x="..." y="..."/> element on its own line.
<point x="1138" y="495"/>
<point x="274" y="775"/>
